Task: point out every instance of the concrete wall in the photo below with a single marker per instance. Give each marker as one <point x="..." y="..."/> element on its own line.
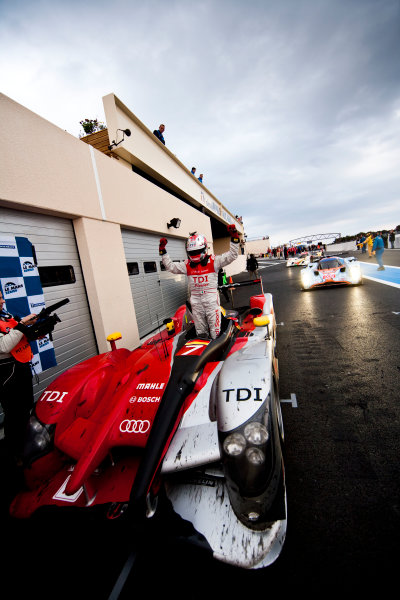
<point x="144" y="150"/>
<point x="46" y="170"/>
<point x="351" y="246"/>
<point x="344" y="247"/>
<point x="257" y="247"/>
<point x="104" y="266"/>
<point x="222" y="245"/>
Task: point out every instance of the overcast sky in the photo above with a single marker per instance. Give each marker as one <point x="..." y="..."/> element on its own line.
<point x="290" y="108"/>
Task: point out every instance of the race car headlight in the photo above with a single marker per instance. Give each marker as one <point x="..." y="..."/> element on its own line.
<point x="256" y="433"/>
<point x="35" y="425"/>
<point x="252" y="462"/>
<point x="38" y="440"/>
<point x="42" y="439"/>
<point x="247" y="456"/>
<point x="355" y="274"/>
<point x="255" y="456"/>
<point x="234" y="444"/>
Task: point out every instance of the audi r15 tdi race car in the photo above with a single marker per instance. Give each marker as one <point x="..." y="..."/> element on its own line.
<point x="300" y="260"/>
<point x="331" y="271"/>
<point x="182" y="421"/>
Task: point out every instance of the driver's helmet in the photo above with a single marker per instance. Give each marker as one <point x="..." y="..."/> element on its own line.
<point x="196" y="247"/>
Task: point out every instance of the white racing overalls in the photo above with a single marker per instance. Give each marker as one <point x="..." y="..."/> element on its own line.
<point x="203" y="288"/>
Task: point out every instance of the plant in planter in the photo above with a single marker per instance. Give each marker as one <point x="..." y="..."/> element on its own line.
<point x="91" y="125"/>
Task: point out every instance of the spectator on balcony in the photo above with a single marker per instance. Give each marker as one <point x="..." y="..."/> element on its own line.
<point x="193" y="171"/>
<point x="159" y="133"/>
<point x="200" y="178"/>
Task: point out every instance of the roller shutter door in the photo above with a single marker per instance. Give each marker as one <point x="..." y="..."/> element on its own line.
<point x="156" y="293"/>
<point x="55" y="245"/>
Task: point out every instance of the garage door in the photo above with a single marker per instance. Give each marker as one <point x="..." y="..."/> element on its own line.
<point x="61" y="276"/>
<point x="156" y="293"/>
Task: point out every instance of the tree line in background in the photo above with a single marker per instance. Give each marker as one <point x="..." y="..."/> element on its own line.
<point x="350" y="238"/>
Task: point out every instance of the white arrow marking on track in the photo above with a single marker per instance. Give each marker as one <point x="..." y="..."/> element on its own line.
<point x="292" y="401"/>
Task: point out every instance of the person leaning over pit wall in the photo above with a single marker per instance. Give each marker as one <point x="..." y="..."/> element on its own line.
<point x="15" y="380"/>
<point x="159" y="133"/>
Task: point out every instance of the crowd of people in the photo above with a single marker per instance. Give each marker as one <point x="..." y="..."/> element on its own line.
<point x="365" y="241"/>
<point x="372" y="243"/>
<point x="375" y="243"/>
<point x="193" y="172"/>
<point x="285" y="251"/>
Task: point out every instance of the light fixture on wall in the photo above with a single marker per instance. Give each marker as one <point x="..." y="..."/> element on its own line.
<point x="126" y="132"/>
<point x="174" y="223"/>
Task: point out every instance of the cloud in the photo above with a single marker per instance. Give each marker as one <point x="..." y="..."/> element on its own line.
<point x="290" y="109"/>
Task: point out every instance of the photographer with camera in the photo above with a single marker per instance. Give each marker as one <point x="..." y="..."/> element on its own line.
<point x="16" y="391"/>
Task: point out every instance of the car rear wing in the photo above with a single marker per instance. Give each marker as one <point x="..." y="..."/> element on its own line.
<point x="231" y="286"/>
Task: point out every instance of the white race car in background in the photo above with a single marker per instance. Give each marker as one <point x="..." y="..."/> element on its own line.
<point x="316" y="255"/>
<point x="331" y="270"/>
<point x="300" y="260"/>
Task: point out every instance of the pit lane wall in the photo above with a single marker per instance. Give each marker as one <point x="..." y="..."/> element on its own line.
<point x="45" y="170"/>
<point x="352" y="246"/>
<point x="345" y="247"/>
<point x="257" y="247"/>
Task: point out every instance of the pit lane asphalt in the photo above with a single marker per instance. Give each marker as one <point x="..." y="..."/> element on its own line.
<point x="339" y="353"/>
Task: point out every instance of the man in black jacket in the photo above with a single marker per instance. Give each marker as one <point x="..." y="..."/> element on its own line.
<point x="252" y="266"/>
<point x="159" y="133"/>
<point x="16" y="392"/>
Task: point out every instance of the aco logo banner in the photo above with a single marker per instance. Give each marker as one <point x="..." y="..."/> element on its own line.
<point x="23" y="293"/>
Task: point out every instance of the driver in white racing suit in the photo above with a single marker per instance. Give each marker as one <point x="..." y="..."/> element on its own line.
<point x="202" y="270"/>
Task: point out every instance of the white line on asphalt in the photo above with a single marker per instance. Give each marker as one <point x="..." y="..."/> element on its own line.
<point x="292" y="401"/>
<point x="382" y="281"/>
<point x="387" y="266"/>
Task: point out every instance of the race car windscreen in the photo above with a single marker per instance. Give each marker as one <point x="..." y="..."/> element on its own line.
<point x="330" y="263"/>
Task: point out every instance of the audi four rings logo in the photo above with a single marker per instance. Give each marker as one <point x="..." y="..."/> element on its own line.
<point x="134" y="426"/>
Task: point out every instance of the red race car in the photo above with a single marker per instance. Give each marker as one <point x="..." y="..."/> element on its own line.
<point x="195" y="421"/>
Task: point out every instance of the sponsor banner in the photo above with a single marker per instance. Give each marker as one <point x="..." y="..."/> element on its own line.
<point x="243" y="394"/>
<point x="36" y="364"/>
<point x="150" y="386"/>
<point x="134" y="399"/>
<point x="36" y="303"/>
<point x="28" y="267"/>
<point x="134" y="426"/>
<point x="13" y="287"/>
<point x="22" y="290"/>
<point x="8" y="246"/>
